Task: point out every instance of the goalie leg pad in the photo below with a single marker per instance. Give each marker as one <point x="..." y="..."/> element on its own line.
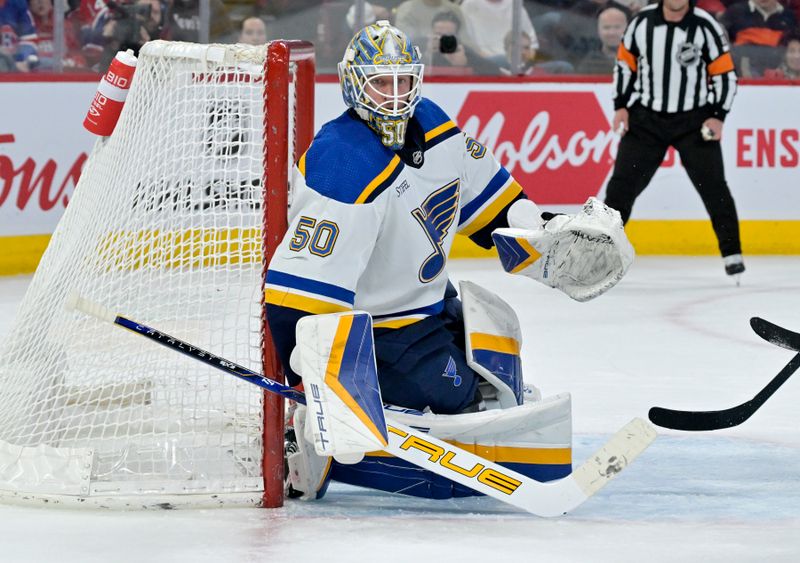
<point x="493" y="342"/>
<point x="337" y="364"/>
<point x="533" y="439"/>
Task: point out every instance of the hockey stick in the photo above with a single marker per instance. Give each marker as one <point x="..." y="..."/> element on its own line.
<point x="775" y="334"/>
<point x="552" y="498"/>
<point x="716" y="420"/>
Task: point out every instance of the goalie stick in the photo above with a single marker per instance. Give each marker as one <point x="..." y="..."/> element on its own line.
<point x="553" y="498"/>
<point x="697" y="421"/>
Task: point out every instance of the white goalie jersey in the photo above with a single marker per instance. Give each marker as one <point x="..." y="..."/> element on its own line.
<point x="371" y="231"/>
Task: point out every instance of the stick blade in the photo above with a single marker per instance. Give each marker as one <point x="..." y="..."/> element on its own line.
<point x="615" y="455"/>
<point x="775" y="334"/>
<point x="698" y="421"/>
<point x="76" y="302"/>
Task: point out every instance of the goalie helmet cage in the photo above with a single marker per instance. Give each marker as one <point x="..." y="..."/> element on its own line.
<point x="174" y="219"/>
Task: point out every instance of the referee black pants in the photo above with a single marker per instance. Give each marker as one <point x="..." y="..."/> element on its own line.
<point x="642" y="150"/>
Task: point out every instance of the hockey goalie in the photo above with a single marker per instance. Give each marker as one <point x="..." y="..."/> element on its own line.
<point x="360" y="306"/>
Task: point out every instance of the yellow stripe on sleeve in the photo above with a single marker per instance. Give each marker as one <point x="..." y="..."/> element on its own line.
<point x="491" y="211"/>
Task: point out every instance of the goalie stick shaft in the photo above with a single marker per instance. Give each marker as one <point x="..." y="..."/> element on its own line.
<point x="547" y="499"/>
<point x="698" y="421"/>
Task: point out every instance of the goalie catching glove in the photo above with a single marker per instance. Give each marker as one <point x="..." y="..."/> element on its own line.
<point x="584" y="255"/>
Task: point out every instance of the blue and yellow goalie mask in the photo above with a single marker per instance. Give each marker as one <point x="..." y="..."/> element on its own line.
<point x="381" y="79"/>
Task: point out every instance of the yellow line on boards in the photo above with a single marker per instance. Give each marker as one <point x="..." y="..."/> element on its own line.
<point x="21" y="254"/>
<point x="689" y="238"/>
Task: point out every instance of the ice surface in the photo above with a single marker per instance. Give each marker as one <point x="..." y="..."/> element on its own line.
<point x="674" y="333"/>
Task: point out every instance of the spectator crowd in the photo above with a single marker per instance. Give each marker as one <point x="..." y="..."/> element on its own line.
<point x="457" y="37"/>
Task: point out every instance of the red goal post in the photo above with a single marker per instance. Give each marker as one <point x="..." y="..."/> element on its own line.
<point x="286" y="60"/>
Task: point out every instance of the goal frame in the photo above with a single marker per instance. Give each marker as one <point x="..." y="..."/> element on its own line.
<point x="145" y="455"/>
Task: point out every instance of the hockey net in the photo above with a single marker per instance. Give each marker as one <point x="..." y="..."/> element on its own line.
<point x="172" y="222"/>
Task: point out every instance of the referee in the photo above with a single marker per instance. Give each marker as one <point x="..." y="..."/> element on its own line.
<point x="674" y="82"/>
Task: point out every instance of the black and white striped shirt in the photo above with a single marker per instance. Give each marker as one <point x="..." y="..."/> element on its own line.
<point x="673" y="67"/>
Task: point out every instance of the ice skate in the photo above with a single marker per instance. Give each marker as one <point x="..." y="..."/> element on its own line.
<point x="734" y="266"/>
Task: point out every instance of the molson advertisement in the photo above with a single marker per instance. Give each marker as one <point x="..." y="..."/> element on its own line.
<point x="556" y="140"/>
<point x="558" y="145"/>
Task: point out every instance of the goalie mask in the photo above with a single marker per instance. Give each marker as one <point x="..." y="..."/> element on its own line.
<point x="381" y="79"/>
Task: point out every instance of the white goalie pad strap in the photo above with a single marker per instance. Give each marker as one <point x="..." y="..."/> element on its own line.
<point x="584" y="255"/>
<point x="493" y="342"/>
<point x="337" y="363"/>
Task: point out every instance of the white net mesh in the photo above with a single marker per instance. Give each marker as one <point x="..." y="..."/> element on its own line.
<point x="166" y="227"/>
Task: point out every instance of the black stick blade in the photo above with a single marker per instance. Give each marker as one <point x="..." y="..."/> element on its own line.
<point x="699" y="421"/>
<point x="775" y="334"/>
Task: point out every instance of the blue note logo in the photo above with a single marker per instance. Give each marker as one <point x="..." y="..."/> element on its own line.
<point x="450" y="370"/>
<point x="436" y="216"/>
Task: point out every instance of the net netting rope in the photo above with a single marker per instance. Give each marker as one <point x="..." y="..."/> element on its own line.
<point x="165" y="225"/>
